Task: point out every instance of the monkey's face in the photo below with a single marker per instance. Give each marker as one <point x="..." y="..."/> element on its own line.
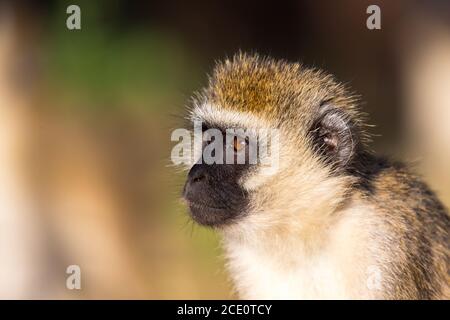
<point x="310" y="159"/>
<point x="213" y="190"/>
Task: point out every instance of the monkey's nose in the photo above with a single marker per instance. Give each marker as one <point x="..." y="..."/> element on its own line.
<point x="195" y="185"/>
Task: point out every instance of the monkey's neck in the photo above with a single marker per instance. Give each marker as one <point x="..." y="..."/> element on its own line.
<point x="291" y="265"/>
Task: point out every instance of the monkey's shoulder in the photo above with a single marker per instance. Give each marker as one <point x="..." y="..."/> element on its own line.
<point x="394" y="184"/>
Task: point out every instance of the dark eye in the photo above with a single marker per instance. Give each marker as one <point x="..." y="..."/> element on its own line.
<point x="239" y="144"/>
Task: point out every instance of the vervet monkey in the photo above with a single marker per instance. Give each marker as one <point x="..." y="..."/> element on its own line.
<point x="333" y="221"/>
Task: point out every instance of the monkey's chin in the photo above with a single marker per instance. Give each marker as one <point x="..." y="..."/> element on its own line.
<point x="209" y="216"/>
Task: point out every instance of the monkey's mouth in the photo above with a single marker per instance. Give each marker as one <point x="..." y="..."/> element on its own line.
<point x="207" y="215"/>
<point x="200" y="205"/>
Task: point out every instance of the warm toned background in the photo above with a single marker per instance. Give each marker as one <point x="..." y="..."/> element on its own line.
<point x="86" y="116"/>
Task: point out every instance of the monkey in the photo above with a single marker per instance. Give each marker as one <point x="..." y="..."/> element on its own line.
<point x="334" y="220"/>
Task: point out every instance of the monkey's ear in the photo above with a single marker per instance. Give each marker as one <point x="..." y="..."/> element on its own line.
<point x="334" y="136"/>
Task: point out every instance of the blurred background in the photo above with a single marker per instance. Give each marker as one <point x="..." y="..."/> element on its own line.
<point x="86" y="117"/>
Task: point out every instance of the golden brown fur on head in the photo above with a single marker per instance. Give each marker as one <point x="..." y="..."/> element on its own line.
<point x="275" y="89"/>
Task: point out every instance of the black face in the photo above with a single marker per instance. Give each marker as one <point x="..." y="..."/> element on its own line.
<point x="213" y="193"/>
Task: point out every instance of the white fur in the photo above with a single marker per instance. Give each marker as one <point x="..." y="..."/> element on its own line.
<point x="288" y="268"/>
<point x="215" y="114"/>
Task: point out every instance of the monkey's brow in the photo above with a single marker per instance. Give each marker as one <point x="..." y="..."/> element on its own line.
<point x="210" y="125"/>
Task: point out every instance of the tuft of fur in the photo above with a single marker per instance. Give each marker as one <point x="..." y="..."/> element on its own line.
<point x="366" y="229"/>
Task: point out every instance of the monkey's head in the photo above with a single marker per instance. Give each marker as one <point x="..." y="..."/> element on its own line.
<point x="312" y="133"/>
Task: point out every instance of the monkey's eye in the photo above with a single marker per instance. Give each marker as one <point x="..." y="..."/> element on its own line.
<point x="239" y="144"/>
